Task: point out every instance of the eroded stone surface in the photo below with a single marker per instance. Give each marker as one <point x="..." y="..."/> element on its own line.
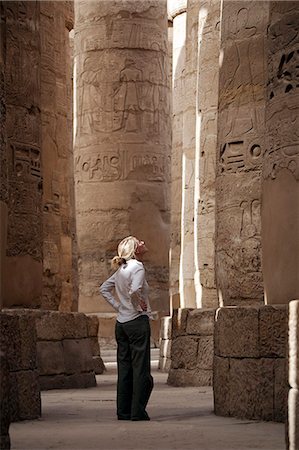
<point x="201" y="321"/>
<point x="236" y="332"/>
<point x="273" y="325"/>
<point x="183" y="352"/>
<point x="122" y="152"/>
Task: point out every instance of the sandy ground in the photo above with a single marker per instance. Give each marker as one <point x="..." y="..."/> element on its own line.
<point x="181" y="418"/>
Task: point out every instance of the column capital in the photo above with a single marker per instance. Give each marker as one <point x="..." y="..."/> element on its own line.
<point x="175" y="8"/>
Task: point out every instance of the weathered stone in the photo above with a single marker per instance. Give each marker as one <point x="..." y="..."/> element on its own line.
<point x="25" y="395"/>
<point x="273" y="325"/>
<point x="95" y="347"/>
<point x="205" y="353"/>
<point x="293" y="419"/>
<point x="93" y="326"/>
<point x="122" y="149"/>
<point x="294" y="344"/>
<point x="164" y="364"/>
<point x="184" y="353"/>
<point x="57" y="326"/>
<point x="221" y="386"/>
<point x="165" y="329"/>
<point x="74" y="381"/>
<point x="99" y="366"/>
<point x="50" y="356"/>
<point x="280" y="390"/>
<point x="179" y="322"/>
<point x="201" y="322"/>
<point x="5" y="418"/>
<point x="165" y="348"/>
<point x="183" y="377"/>
<point x="252" y="388"/>
<point x="77" y="355"/>
<point x="236" y="332"/>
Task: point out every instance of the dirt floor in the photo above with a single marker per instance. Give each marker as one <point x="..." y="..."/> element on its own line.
<point x="181" y="418"/>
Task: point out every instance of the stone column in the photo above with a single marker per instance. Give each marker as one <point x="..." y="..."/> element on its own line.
<point x="207" y="50"/>
<point x="280" y="186"/>
<point x="23" y="265"/>
<point x="57" y="157"/>
<point x="240" y="150"/>
<point x="3" y="152"/>
<point x="177" y="10"/>
<point x="122" y="142"/>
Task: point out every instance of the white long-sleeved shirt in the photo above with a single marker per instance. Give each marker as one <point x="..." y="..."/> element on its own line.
<point x="130" y="286"/>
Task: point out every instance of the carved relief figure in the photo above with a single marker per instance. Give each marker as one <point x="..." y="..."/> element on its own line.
<point x="127" y="98"/>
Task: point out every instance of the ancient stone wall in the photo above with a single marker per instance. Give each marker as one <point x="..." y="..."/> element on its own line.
<point x="241" y="144"/>
<point x="292" y="424"/>
<point x="3" y="151"/>
<point x="122" y="142"/>
<point x="192" y="344"/>
<point x="18" y="343"/>
<point x="280" y="187"/>
<point x="208" y="38"/>
<point x="56" y="20"/>
<point x="177" y="11"/>
<point x="250" y="373"/>
<point x="23" y="129"/>
<point x="165" y="344"/>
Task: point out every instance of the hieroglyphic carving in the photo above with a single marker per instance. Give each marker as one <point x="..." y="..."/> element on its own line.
<point x="241" y="144"/>
<point x="122" y="165"/>
<point x="283" y="94"/>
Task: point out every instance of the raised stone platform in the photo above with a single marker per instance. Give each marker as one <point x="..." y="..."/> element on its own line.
<point x="165" y="344"/>
<point x="250" y="376"/>
<point x="20" y="383"/>
<point x="64" y="348"/>
<point x="192" y="347"/>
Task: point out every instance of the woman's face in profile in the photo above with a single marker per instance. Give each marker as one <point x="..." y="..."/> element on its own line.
<point x="141" y="248"/>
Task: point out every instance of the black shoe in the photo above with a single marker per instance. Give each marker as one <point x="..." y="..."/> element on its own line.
<point x="123" y="417"/>
<point x="144" y="417"/>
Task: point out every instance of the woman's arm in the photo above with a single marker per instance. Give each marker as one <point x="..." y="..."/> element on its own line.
<point x="106" y="289"/>
<point x="138" y="277"/>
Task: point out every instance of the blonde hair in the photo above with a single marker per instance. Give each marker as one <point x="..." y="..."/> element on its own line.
<point x="126" y="250"/>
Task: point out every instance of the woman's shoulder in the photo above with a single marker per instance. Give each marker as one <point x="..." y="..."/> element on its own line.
<point x="134" y="263"/>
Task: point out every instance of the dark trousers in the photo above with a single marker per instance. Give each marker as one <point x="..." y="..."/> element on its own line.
<point x="134" y="383"/>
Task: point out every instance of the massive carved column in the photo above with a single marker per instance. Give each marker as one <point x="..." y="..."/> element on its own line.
<point x="240" y="150"/>
<point x="3" y="152"/>
<point x="122" y="140"/>
<point x="208" y="39"/>
<point x="280" y="211"/>
<point x="57" y="156"/>
<point x="23" y="265"/>
<point x="177" y="10"/>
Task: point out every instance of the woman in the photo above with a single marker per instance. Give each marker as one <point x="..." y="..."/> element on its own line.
<point x="132" y="330"/>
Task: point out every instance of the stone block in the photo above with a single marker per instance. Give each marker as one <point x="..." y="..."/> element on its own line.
<point x="4" y="398"/>
<point x="280" y="390"/>
<point x="164" y="364"/>
<point x="165" y="348"/>
<point x="50" y="357"/>
<point x="184" y="353"/>
<point x="205" y="352"/>
<point x="77" y="355"/>
<point x="293" y="419"/>
<point x="95" y="346"/>
<point x="165" y="330"/>
<point x="294" y="344"/>
<point x="273" y="325"/>
<point x="183" y="377"/>
<point x="5" y="442"/>
<point x="98" y="364"/>
<point x="10" y="339"/>
<point x="93" y="326"/>
<point x="74" y="381"/>
<point x="25" y="395"/>
<point x="236" y="332"/>
<point x="252" y="388"/>
<point x="54" y="325"/>
<point x="179" y="322"/>
<point x="201" y="322"/>
<point x="221" y="386"/>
